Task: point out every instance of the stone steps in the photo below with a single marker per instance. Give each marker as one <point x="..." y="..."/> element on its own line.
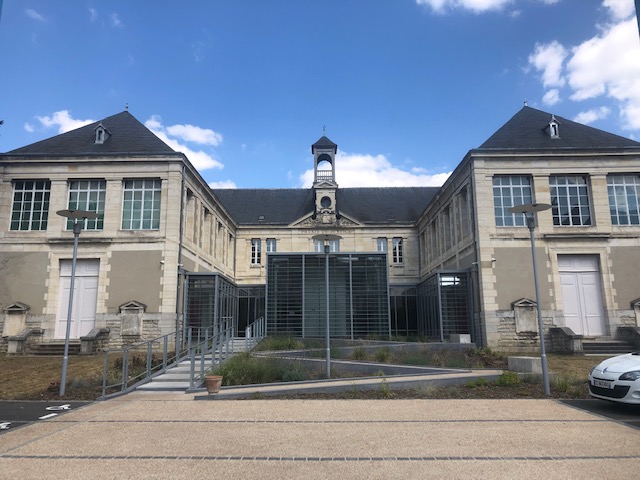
<point x="607" y="347"/>
<point x="53" y="348"/>
<point x="177" y="378"/>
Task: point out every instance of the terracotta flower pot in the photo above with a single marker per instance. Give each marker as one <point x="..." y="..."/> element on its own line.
<point x="213" y="383"/>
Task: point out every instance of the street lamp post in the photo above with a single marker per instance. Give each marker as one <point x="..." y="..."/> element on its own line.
<point x="326" y="239"/>
<point x="530" y="210"/>
<point x="78" y="217"/>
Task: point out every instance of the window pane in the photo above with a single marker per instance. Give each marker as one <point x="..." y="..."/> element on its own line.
<point x="30" y="205"/>
<point x="141" y="205"/>
<point x="623" y="198"/>
<point x="87" y="195"/>
<point x="570" y="200"/>
<point x="510" y="191"/>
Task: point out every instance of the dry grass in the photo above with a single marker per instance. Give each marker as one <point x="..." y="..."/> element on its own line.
<point x="37" y="378"/>
<point x="573" y="364"/>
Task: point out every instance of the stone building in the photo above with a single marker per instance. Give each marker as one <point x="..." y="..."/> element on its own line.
<point x="167" y="252"/>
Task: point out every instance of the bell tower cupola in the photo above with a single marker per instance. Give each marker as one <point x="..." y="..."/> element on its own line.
<point x="324" y="178"/>
<point x="324" y="155"/>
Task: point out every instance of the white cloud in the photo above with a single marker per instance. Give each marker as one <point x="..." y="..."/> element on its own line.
<point x="29" y="128"/>
<point x="63" y="120"/>
<point x="195" y="134"/>
<point x="364" y="170"/>
<point x="549" y="59"/>
<point x="619" y="9"/>
<point x="198" y="158"/>
<point x="607" y="65"/>
<point x="223" y="184"/>
<point x="31" y="13"/>
<point x="476" y="6"/>
<point x="93" y="14"/>
<point x="115" y="21"/>
<point x="551" y="97"/>
<point x="592" y="115"/>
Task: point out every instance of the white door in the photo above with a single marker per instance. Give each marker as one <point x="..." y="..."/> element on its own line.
<point x="582" y="294"/>
<point x="85" y="296"/>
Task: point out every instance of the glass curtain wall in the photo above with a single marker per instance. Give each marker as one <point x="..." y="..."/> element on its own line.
<point x="403" y="311"/>
<point x="210" y="300"/>
<point x="297" y="295"/>
<point x="444" y="305"/>
<point x="250" y="306"/>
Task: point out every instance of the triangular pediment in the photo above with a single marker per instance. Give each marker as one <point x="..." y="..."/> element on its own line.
<point x="325" y="184"/>
<point x="16" y="307"/>
<point x="132" y="305"/>
<point x="318" y="221"/>
<point x="524" y="302"/>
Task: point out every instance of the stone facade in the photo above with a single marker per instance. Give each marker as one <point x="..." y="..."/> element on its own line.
<point x="454" y="228"/>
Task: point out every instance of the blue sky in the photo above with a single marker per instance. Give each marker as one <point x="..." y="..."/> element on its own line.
<point x="244" y="87"/>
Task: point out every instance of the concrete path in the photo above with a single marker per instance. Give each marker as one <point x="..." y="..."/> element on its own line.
<point x="170" y="436"/>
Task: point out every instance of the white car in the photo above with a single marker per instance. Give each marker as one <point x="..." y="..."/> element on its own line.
<point x="617" y="379"/>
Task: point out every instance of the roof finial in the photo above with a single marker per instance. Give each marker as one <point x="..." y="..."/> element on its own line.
<point x="126" y="107"/>
<point x="526" y="104"/>
<point x="324" y="130"/>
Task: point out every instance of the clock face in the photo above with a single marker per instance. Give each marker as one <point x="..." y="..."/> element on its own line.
<point x="325" y="202"/>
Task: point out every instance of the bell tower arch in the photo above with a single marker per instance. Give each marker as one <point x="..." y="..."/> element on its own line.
<point x="324" y="179"/>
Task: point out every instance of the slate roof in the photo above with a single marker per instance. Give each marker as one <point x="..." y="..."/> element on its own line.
<point x="526" y="131"/>
<point x="366" y="205"/>
<point x="126" y="136"/>
<point x="324" y="142"/>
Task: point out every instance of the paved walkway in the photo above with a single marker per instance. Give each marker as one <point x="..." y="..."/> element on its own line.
<point x="170" y="436"/>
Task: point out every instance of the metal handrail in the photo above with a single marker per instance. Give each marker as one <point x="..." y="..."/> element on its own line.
<point x="219" y="346"/>
<point x="255" y="332"/>
<point x="153" y="367"/>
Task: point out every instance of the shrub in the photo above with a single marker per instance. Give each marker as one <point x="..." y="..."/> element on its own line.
<point x="359" y="353"/>
<point x="382" y="355"/>
<point x="295" y="373"/>
<point x="385" y="389"/>
<point x="508" y="379"/>
<point x="243" y="369"/>
<point x="477" y="382"/>
<point x="280" y="343"/>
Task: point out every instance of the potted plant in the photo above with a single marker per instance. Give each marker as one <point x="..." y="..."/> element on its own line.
<point x="212" y="382"/>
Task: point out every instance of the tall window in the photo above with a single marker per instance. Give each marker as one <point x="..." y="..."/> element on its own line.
<point x="141" y="205"/>
<point x="570" y="200"/>
<point x="509" y="191"/>
<point x="397" y="250"/>
<point x="87" y="195"/>
<point x="271" y="245"/>
<point x="334" y="246"/>
<point x="463" y="225"/>
<point x="255" y="251"/>
<point x="624" y="199"/>
<point x="447" y="231"/>
<point x="30" y="210"/>
<point x="382" y="245"/>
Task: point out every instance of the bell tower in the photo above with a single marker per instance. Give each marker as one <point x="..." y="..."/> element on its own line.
<point x="324" y="179"/>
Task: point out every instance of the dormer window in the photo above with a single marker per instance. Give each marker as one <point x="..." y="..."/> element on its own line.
<point x="553" y="129"/>
<point x="101" y="134"/>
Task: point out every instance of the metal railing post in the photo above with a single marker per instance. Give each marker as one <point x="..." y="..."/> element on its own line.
<point x="192" y="367"/>
<point x="104" y="374"/>
<point x="149" y="346"/>
<point x="164" y="353"/>
<point x="125" y="369"/>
